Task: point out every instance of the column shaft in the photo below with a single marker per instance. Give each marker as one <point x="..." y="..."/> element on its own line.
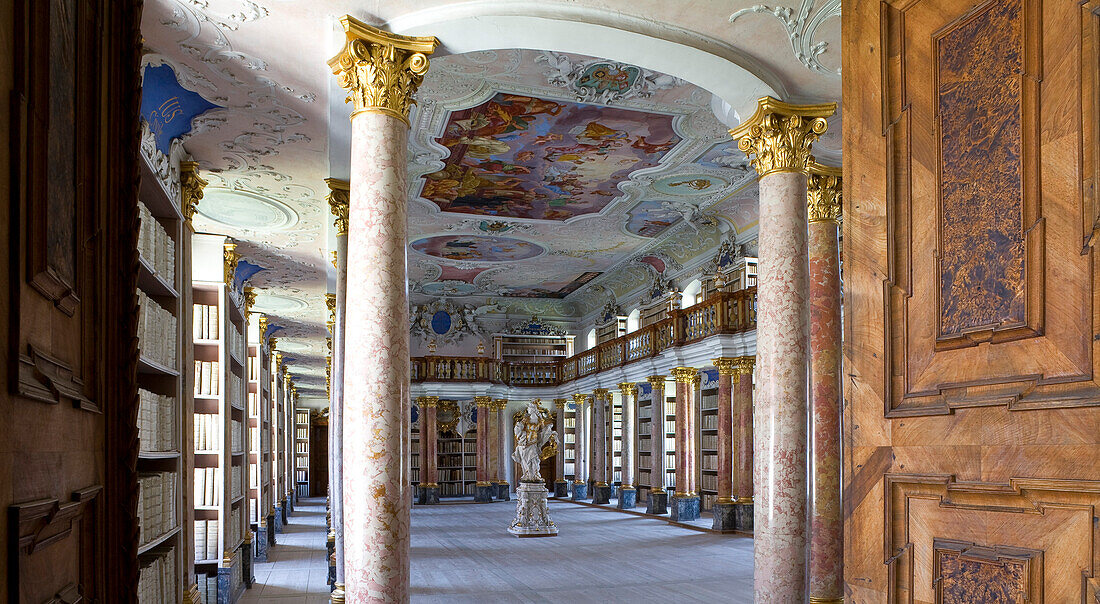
<point x="599" y="439"/>
<point x="726" y="368"/>
<point x="657" y="406"/>
<point x="743" y="410"/>
<point x="559" y="466"/>
<point x="683" y="392"/>
<point x="483" y="439"/>
<point x="429" y="469"/>
<point x="376" y="386"/>
<point x="826" y="524"/>
<point x="627" y="450"/>
<point x="338" y="202"/>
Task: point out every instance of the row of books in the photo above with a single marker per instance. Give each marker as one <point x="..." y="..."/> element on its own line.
<point x="414" y="474"/>
<point x="455" y="488"/>
<point x="156" y="421"/>
<point x="236" y="481"/>
<point x="208" y="588"/>
<point x="156" y="331"/>
<point x="253" y="404"/>
<point x="253" y="476"/>
<point x="208" y="432"/>
<point x="301" y="475"/>
<point x="156" y="504"/>
<point x="206" y="541"/>
<point x="708" y="482"/>
<point x="670" y="443"/>
<point x="670" y="461"/>
<point x="453" y="446"/>
<point x="709" y="462"/>
<point x="709" y="422"/>
<point x="708" y="441"/>
<point x="236" y="342"/>
<point x="254" y="439"/>
<point x="157" y="579"/>
<point x="670" y="407"/>
<point x="568" y="468"/>
<point x="708" y="402"/>
<point x="236" y="433"/>
<point x="236" y="391"/>
<point x="569" y="438"/>
<point x="253" y="369"/>
<point x="301" y="447"/>
<point x="234" y="530"/>
<point x="206" y="323"/>
<point x="450" y="475"/>
<point x="207" y="378"/>
<point x="302" y="434"/>
<point x="208" y="487"/>
<point x="155" y="246"/>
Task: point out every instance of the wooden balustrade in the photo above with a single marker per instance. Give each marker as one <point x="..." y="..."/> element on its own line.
<point x="725" y="313"/>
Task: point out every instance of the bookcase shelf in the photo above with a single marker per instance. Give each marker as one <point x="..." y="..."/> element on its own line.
<point x="218" y="447"/>
<point x="259" y="421"/>
<point x="301" y="451"/>
<point x="644" y="446"/>
<point x="532" y="348"/>
<point x="569" y="441"/>
<point x="707" y="441"/>
<point x="163" y="291"/>
<point x="670" y="439"/>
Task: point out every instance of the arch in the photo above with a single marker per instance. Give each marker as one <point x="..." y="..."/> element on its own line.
<point x="590" y="339"/>
<point x="692" y="294"/>
<point x="634" y="320"/>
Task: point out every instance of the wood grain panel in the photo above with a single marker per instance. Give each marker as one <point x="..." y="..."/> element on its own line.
<point x="968" y="573"/>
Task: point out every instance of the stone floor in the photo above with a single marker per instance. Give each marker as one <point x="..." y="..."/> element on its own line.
<point x="462" y="552"/>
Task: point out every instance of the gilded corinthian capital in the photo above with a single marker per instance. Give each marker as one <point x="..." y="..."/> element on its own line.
<point x="779" y="136"/>
<point x="191" y="186"/>
<point x="823" y="193"/>
<point x="339" y="196"/>
<point x="381" y="71"/>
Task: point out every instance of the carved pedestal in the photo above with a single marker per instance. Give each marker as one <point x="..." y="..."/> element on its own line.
<point x="684" y="509"/>
<point x="658" y="503"/>
<point x="503" y="493"/>
<point x="724" y="517"/>
<point x="483" y="493"/>
<point x="601" y="494"/>
<point x="428" y="495"/>
<point x="561" y="489"/>
<point x="532" y="515"/>
<point x="279" y="519"/>
<point x="271" y="528"/>
<point x="742" y="517"/>
<point x="580" y="491"/>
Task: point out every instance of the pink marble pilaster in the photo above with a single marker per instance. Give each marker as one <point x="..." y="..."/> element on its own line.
<point x="483" y="439"/>
<point x="559" y="423"/>
<point x="336" y="411"/>
<point x="599" y="438"/>
<point x="429" y="464"/>
<point x="657" y="435"/>
<point x="628" y="392"/>
<point x="743" y="412"/>
<point x="422" y="439"/>
<point x="727" y="371"/>
<point x="685" y="377"/>
<point x="376" y="376"/>
<point x="779" y="514"/>
<point x="826" y="524"/>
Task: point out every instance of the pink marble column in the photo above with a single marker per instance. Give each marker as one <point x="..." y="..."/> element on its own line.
<point x="559" y="465"/>
<point x="826" y="524"/>
<point x="628" y="392"/>
<point x="429" y="468"/>
<point x="338" y="204"/>
<point x="483" y="439"/>
<point x="599" y="437"/>
<point x="685" y="380"/>
<point x="380" y="72"/>
<point x="743" y="410"/>
<point x="727" y="372"/>
<point x="657" y="467"/>
<point x="422" y="440"/>
<point x="499" y="405"/>
<point x="778" y="138"/>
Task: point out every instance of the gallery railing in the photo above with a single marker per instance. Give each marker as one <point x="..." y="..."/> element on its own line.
<point x="725" y="313"/>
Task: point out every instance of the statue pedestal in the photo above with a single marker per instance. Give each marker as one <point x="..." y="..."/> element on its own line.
<point x="532" y="515"/>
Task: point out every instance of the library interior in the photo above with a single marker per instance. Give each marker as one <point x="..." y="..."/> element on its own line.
<point x="550" y="301"/>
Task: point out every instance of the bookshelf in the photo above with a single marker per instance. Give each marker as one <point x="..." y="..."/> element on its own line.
<point x="532" y="348"/>
<point x="219" y="391"/>
<point x="456" y="451"/>
<point x="644" y="444"/>
<point x="274" y="409"/>
<point x="163" y="461"/>
<point x="569" y="442"/>
<point x="612" y="329"/>
<point x="301" y="452"/>
<point x="259" y="424"/>
<point x="708" y="446"/>
<point x="614" y="433"/>
<point x="414" y="446"/>
<point x="670" y="436"/>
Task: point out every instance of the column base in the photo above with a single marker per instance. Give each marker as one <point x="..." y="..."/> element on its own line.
<point x="614" y="491"/>
<point x="817" y="600"/>
<point x="483" y="493"/>
<point x="503" y="492"/>
<point x="628" y="498"/>
<point x="532" y="516"/>
<point x="271" y="529"/>
<point x="331" y="571"/>
<point x="601" y="494"/>
<point x="277" y="520"/>
<point x="658" y="502"/>
<point x="561" y="489"/>
<point x="723" y="517"/>
<point x="261" y="544"/>
<point x="580" y="491"/>
<point x="427" y="495"/>
<point x="337" y="595"/>
<point x="228" y="593"/>
<point x="742" y="517"/>
<point x="684" y="509"/>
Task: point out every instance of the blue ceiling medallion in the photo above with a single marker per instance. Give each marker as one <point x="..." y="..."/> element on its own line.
<point x="169" y="107"/>
<point x="441" y="322"/>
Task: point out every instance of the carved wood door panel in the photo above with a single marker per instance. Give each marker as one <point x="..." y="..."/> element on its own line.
<point x="972" y="441"/>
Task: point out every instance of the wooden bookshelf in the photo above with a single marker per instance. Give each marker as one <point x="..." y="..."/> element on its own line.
<point x="569" y="442"/>
<point x="414" y="447"/>
<point x="220" y="478"/>
<point x="164" y="403"/>
<point x="532" y="348"/>
<point x="259" y="422"/>
<point x="707" y="440"/>
<point x="670" y="437"/>
<point x="612" y="329"/>
<point x="614" y="432"/>
<point x="644" y="446"/>
<point x="301" y="452"/>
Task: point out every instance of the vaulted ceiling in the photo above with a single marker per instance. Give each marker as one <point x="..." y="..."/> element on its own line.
<point x="550" y="164"/>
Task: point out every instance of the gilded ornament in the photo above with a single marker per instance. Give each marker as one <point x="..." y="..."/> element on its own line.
<point x="271" y="342"/>
<point x="330" y="302"/>
<point x="684" y="375"/>
<point x="657" y="382"/>
<point x="779" y="136"/>
<point x="482" y="401"/>
<point x="231" y="257"/>
<point x="579" y="399"/>
<point x="249" y="298"/>
<point x="339" y="197"/>
<point x="627" y="388"/>
<point x="602" y="394"/>
<point x="191" y="186"/>
<point x="381" y="71"/>
<point x="262" y="322"/>
<point x="725" y="366"/>
<point x="560" y="403"/>
<point x="746" y="364"/>
<point x="427" y="401"/>
<point x="823" y="193"/>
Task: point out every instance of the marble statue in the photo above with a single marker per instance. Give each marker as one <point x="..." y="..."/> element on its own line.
<point x="534" y="436"/>
<point x="535" y="440"/>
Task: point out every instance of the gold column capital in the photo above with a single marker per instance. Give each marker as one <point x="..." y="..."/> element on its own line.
<point x="330" y="303"/>
<point x="381" y="71"/>
<point x="728" y="366"/>
<point x="191" y="186"/>
<point x="779" y="136"/>
<point x="249" y="300"/>
<point x="272" y="341"/>
<point x="824" y="193"/>
<point x="262" y="323"/>
<point x="560" y="403"/>
<point x="499" y="404"/>
<point x="230" y="258"/>
<point x="579" y="399"/>
<point x="339" y="200"/>
<point x="684" y="375"/>
<point x="746" y="364"/>
<point x="627" y="388"/>
<point x="657" y="382"/>
<point x="602" y="394"/>
<point x="483" y="401"/>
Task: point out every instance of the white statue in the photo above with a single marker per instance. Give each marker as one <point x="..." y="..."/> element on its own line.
<point x="535" y="440"/>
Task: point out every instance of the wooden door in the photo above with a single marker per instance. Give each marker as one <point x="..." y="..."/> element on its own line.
<point x="971" y="427"/>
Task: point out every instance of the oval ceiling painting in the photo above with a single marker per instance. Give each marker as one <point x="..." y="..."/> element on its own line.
<point x="476" y="248"/>
<point x="441" y="322"/>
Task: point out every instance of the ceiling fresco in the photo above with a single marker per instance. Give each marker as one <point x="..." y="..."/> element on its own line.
<point x="522" y="157"/>
<point x="257" y="114"/>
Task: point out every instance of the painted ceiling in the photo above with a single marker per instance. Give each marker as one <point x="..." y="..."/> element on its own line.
<point x="276" y="128"/>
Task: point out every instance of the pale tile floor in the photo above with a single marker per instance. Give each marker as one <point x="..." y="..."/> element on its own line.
<point x="463" y="553"/>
